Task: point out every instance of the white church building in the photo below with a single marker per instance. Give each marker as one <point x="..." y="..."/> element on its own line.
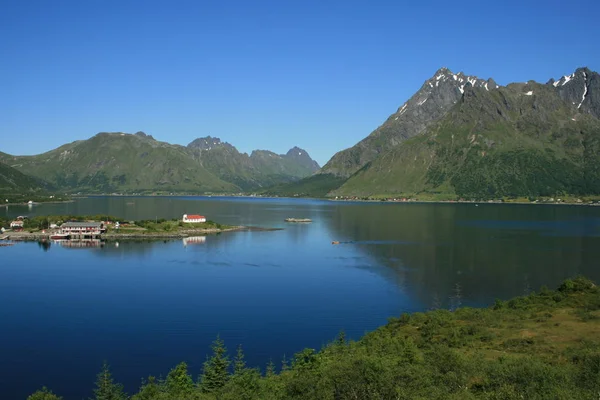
<point x="193" y="218"/>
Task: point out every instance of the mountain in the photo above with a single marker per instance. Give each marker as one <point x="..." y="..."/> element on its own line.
<point x="435" y="97"/>
<point x="225" y="161"/>
<point x="317" y="185"/>
<point x="117" y="162"/>
<point x="302" y="159"/>
<point x="295" y="163"/>
<point x="261" y="168"/>
<point x="520" y="140"/>
<point x="13" y="181"/>
<point x="120" y="162"/>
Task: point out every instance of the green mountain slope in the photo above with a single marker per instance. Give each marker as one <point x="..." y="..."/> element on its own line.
<point x="121" y="162"/>
<point x="251" y="172"/>
<point x="13" y="181"/>
<point x="520" y="140"/>
<point x="318" y="185"/>
<point x="281" y="167"/>
<point x="430" y="103"/>
<point x="224" y="161"/>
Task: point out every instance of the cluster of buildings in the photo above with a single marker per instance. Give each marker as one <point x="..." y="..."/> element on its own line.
<point x="68" y="229"/>
<point x="88" y="230"/>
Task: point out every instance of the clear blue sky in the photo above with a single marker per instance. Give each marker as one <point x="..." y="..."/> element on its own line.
<point x="262" y="74"/>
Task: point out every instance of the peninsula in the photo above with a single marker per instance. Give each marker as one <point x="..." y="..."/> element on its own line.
<point x="69" y="227"/>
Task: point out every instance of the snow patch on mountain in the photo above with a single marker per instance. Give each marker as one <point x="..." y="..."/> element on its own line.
<point x="585" y="89"/>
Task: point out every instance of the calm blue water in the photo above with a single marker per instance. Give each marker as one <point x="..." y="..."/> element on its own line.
<point x="145" y="306"/>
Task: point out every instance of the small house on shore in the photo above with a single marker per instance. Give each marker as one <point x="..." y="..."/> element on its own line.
<point x="16" y="225"/>
<point x="193" y="218"/>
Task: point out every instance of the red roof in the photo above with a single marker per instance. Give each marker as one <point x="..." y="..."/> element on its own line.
<point x="195" y="217"/>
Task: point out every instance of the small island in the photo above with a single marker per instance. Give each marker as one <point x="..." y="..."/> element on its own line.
<point x="298" y="220"/>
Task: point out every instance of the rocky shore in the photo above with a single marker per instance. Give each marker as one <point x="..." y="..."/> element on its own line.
<point x="36" y="236"/>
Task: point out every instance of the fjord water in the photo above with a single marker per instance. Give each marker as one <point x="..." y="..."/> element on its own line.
<point x="145" y="306"/>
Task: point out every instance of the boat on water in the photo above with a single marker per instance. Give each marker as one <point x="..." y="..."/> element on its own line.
<point x="60" y="236"/>
<point x="298" y="220"/>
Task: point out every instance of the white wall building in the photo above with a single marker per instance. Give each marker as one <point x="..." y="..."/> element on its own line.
<point x="193" y="218"/>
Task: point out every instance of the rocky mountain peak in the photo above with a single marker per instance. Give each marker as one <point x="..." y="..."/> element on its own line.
<point x="144" y="135"/>
<point x="442" y="90"/>
<point x="435" y="97"/>
<point x="581" y="90"/>
<point x="301" y="156"/>
<point x="296" y="151"/>
<point x="445" y="77"/>
<point x="207" y="143"/>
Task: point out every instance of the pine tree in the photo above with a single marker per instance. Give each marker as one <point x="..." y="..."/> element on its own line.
<point x="284" y="364"/>
<point x="44" y="394"/>
<point x="215" y="370"/>
<point x="149" y="390"/>
<point x="106" y="389"/>
<point x="341" y="339"/>
<point x="270" y="369"/>
<point x="179" y="382"/>
<point x="239" y="365"/>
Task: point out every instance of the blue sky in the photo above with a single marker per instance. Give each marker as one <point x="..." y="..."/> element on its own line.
<point x="261" y="74"/>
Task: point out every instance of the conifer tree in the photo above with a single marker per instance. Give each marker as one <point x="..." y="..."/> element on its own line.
<point x="341" y="339"/>
<point x="179" y="383"/>
<point x="284" y="364"/>
<point x="106" y="389"/>
<point x="270" y="369"/>
<point x="150" y="390"/>
<point x="239" y="364"/>
<point x="44" y="394"/>
<point x="215" y="370"/>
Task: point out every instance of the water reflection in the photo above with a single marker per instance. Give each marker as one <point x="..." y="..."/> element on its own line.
<point x="193" y="240"/>
<point x="80" y="244"/>
<point x="44" y="244"/>
<point x="489" y="251"/>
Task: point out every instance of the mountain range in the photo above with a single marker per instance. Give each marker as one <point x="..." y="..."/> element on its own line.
<point x="122" y="162"/>
<point x="462" y="136"/>
<point x="458" y="136"/>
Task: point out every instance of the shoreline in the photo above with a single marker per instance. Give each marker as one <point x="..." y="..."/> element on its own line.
<point x="390" y="199"/>
<point x="361" y="200"/>
<point x="464" y="202"/>
<point x="38" y="203"/>
<point x="37" y="236"/>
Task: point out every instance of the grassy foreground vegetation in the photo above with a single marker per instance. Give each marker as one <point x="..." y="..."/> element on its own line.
<point x="540" y="346"/>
